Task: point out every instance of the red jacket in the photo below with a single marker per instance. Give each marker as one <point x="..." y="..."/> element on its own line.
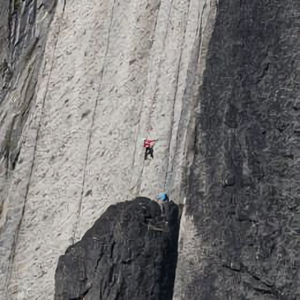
<point x="148" y="143"/>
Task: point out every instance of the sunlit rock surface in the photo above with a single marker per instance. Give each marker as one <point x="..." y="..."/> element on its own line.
<point x="105" y="75"/>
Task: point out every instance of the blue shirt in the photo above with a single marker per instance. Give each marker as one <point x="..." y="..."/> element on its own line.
<point x="162" y="196"/>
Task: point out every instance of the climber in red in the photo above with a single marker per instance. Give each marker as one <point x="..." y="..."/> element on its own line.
<point x="148" y="144"/>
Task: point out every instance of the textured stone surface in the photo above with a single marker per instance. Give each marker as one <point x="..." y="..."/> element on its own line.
<point x="112" y="72"/>
<point x="23" y="34"/>
<point x="129" y="253"/>
<point x="244" y="188"/>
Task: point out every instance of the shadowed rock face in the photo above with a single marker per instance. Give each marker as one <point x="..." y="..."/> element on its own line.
<point x="244" y="195"/>
<point x="129" y="253"/>
<point x="23" y="34"/>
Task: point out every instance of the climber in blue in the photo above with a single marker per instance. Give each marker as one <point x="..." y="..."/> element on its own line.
<point x="162" y="197"/>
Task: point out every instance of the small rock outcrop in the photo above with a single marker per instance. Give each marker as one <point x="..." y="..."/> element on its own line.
<point x="129" y="253"/>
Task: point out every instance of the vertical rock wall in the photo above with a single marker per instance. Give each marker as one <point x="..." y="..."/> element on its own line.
<point x="242" y="211"/>
<point x="23" y="34"/>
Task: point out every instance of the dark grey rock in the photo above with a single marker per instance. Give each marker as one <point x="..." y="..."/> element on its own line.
<point x="22" y="42"/>
<point x="250" y="220"/>
<point x="129" y="253"/>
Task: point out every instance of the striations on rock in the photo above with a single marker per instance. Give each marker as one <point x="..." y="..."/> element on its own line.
<point x="23" y="35"/>
<point x="118" y="71"/>
<point x="129" y="253"/>
<point x="112" y="73"/>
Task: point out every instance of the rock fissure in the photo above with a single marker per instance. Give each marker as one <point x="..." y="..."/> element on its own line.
<point x="75" y="237"/>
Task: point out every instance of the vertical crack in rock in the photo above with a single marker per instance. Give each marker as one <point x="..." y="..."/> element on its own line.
<point x="22" y="56"/>
<point x="166" y="188"/>
<point x="153" y="98"/>
<point x="144" y="100"/>
<point x="75" y="237"/>
<point x="159" y="67"/>
<point x="31" y="170"/>
<point x="190" y="85"/>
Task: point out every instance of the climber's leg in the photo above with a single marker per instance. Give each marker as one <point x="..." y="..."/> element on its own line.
<point x="146" y="153"/>
<point x="151" y="152"/>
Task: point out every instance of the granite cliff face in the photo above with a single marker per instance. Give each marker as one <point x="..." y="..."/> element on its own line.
<point x="84" y="81"/>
